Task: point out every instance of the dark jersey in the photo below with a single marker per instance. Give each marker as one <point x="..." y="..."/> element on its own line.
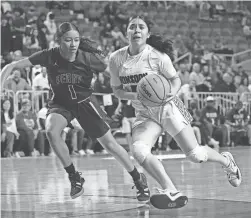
<point x="237" y="117"/>
<point x="210" y="114"/>
<point x="70" y="82"/>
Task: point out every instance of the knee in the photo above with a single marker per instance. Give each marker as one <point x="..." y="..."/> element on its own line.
<point x="140" y="150"/>
<point x="198" y="154"/>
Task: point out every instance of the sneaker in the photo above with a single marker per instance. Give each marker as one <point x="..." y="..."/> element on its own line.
<point x="16" y="154"/>
<point x="143" y="193"/>
<point x="89" y="151"/>
<point x="104" y="151"/>
<point x="52" y="154"/>
<point x="165" y="199"/>
<point x="76" y="185"/>
<point x="82" y="152"/>
<point x="233" y="171"/>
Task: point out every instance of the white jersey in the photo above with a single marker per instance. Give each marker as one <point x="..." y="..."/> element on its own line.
<point x="131" y="69"/>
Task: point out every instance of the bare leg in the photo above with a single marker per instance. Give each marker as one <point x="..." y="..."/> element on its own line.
<point x="111" y="145"/>
<point x="187" y="142"/>
<point x="147" y="133"/>
<point x="55" y="123"/>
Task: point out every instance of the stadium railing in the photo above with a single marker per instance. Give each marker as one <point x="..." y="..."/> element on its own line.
<point x="223" y="101"/>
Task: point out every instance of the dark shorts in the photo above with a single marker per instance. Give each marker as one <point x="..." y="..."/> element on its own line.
<point x="89" y="115"/>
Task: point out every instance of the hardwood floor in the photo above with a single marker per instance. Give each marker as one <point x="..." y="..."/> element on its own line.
<point x="39" y="187"/>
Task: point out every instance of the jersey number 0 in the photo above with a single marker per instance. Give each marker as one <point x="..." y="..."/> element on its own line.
<point x="72" y="91"/>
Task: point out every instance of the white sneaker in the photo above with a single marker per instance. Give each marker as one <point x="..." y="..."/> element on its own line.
<point x="82" y="152"/>
<point x="89" y="151"/>
<point x="233" y="171"/>
<point x="16" y="154"/>
<point x="52" y="154"/>
<point x="165" y="199"/>
<point x="104" y="152"/>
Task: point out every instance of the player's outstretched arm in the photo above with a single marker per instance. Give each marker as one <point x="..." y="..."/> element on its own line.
<point x="6" y="71"/>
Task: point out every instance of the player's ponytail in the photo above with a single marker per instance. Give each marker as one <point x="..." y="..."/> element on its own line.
<point x="86" y="45"/>
<point x="157" y="41"/>
<point x="165" y="46"/>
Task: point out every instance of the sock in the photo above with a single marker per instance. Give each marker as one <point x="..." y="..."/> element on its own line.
<point x="135" y="174"/>
<point x="70" y="169"/>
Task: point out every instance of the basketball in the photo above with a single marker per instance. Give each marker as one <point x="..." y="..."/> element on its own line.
<point x="153" y="90"/>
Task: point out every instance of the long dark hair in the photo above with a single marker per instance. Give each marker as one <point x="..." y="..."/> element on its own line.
<point x="10" y="112"/>
<point x="85" y="45"/>
<point x="156" y="40"/>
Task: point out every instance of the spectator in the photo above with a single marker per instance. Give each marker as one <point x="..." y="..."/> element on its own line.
<point x="241" y="72"/>
<point x="110" y="11"/>
<point x="16" y="83"/>
<point x="5" y="35"/>
<point x="41" y="126"/>
<point x="179" y="46"/>
<point x="239" y="87"/>
<point x="35" y="41"/>
<point x="206" y="86"/>
<point x="9" y="129"/>
<point x="106" y="31"/>
<point x="32" y="42"/>
<point x="40" y="81"/>
<point x="196" y="74"/>
<point x="209" y="120"/>
<point x="224" y="84"/>
<point x="196" y="124"/>
<point x="118" y="35"/>
<point x="18" y="30"/>
<point x="40" y="21"/>
<point x="102" y="84"/>
<point x="42" y="37"/>
<point x="249" y="82"/>
<point x="218" y="43"/>
<point x="51" y="26"/>
<point x="5" y="6"/>
<point x="237" y="119"/>
<point x="249" y="130"/>
<point x="31" y="15"/>
<point x="193" y="45"/>
<point x="183" y="74"/>
<point x="127" y="111"/>
<point x="28" y="129"/>
<point x="77" y="137"/>
<point x="187" y="92"/>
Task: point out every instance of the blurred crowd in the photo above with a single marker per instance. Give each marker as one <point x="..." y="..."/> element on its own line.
<point x="27" y="29"/>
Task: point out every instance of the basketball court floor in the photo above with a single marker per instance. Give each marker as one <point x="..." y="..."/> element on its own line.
<point x="38" y="187"/>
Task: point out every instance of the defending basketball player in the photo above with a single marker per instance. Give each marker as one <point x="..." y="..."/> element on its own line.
<point x="70" y="71"/>
<point x="150" y="54"/>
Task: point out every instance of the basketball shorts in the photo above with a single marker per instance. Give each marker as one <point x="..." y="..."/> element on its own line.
<point x="173" y="117"/>
<point x="127" y="124"/>
<point x="89" y="115"/>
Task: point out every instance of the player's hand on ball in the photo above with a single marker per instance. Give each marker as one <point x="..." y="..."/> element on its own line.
<point x="140" y="99"/>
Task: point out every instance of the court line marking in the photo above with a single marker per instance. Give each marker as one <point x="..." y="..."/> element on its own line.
<point x="160" y="157"/>
<point x="147" y="206"/>
<point x="121" y="196"/>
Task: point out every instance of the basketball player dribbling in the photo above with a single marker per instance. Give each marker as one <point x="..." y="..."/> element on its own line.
<point x="150" y="54"/>
<point x="70" y="70"/>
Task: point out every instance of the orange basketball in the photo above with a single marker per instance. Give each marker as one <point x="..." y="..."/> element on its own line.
<point x="153" y="90"/>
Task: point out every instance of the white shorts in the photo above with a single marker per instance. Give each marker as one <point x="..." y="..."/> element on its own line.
<point x="127" y="124"/>
<point x="173" y="117"/>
